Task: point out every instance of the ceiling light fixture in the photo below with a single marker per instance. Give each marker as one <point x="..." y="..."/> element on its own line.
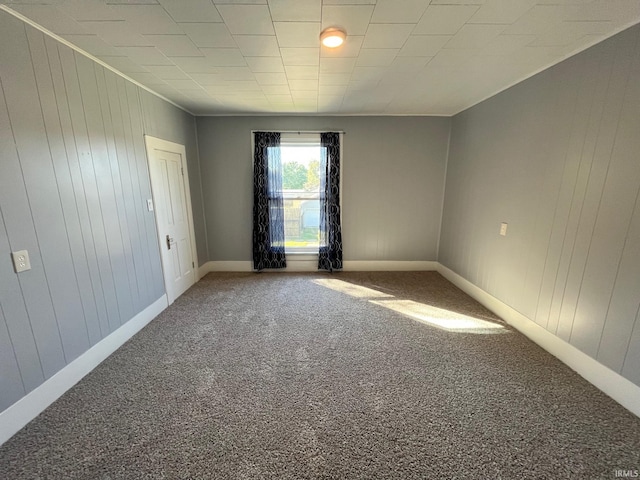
<point x="333" y="37"/>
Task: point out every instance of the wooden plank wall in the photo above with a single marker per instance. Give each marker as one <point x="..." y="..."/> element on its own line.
<point x="556" y="157"/>
<point x="73" y="189"/>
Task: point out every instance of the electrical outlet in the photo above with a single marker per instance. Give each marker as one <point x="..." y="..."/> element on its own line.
<point x="150" y="204"/>
<point x="21" y="261"/>
<point x="503" y="229"/>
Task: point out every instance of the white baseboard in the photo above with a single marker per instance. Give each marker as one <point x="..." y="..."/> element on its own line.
<point x="306" y="265"/>
<point x="31" y="405"/>
<point x="388" y="266"/>
<point x="623" y="391"/>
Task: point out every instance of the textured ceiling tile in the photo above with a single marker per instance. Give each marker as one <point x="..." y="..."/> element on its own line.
<point x="389" y="11"/>
<point x="501" y="11"/>
<point x="144" y="55"/>
<point x="235" y="73"/>
<point x="275" y="89"/>
<point x="118" y="33"/>
<point x="337" y="90"/>
<point x="426" y="76"/>
<point x="537" y="20"/>
<point x="409" y="64"/>
<point x="298" y="34"/>
<point x="168" y="72"/>
<point x="424" y="45"/>
<point x="174" y="45"/>
<point x="376" y="57"/>
<point x="622" y="11"/>
<point x="271" y="78"/>
<point x="302" y="72"/>
<point x="224" y="57"/>
<point x="301" y="84"/>
<point x="208" y="34"/>
<point x="368" y="75"/>
<point x="257" y="45"/>
<point x="568" y="33"/>
<point x="51" y="18"/>
<point x="353" y="18"/>
<point x="331" y="79"/>
<point x="348" y="2"/>
<point x="451" y="57"/>
<point x="89" y="10"/>
<point x="474" y="36"/>
<point x="300" y="94"/>
<point x="462" y="2"/>
<point x="337" y="65"/>
<point x="279" y="98"/>
<point x="148" y="18"/>
<point x="386" y="35"/>
<point x="235" y="2"/>
<point x="265" y="64"/>
<point x="131" y="2"/>
<point x="183" y="84"/>
<point x="444" y="19"/>
<point x="295" y="10"/>
<point x="505" y="44"/>
<point x="300" y="56"/>
<point x="194" y="64"/>
<point x="247" y="19"/>
<point x="191" y="11"/>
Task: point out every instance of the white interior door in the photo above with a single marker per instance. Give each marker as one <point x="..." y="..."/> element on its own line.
<point x="170" y="187"/>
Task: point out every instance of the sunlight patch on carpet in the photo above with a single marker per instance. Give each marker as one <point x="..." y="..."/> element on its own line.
<point x="437" y="317"/>
<point x="351" y="289"/>
<point x="441" y="318"/>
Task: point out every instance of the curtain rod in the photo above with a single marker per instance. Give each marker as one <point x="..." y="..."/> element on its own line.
<point x="302" y="131"/>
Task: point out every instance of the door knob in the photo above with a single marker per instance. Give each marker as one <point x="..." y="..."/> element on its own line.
<point x="169" y="242"/>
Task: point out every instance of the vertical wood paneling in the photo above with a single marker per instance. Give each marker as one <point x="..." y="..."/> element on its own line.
<point x="56" y="249"/>
<point x="571" y="197"/>
<point x="142" y="257"/>
<point x="13" y="203"/>
<point x="68" y="177"/>
<point x="625" y="301"/>
<point x="73" y="190"/>
<point x="631" y="365"/>
<point x="27" y="217"/>
<point x="76" y="137"/>
<point x="585" y="227"/>
<point x="120" y="255"/>
<point x="11" y="387"/>
<point x="596" y="157"/>
<point x="96" y="174"/>
<point x="613" y="218"/>
<point x="127" y="206"/>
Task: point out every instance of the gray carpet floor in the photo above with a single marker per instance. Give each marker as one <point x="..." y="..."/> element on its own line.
<point x="310" y="376"/>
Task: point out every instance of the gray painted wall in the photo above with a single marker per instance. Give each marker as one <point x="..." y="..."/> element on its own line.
<point x="73" y="189"/>
<point x="392" y="183"/>
<point x="558" y="158"/>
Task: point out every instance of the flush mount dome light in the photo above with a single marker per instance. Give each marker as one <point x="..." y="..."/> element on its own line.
<point x="333" y="37"/>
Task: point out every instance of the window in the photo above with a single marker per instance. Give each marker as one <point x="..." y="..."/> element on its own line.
<point x="300" y="156"/>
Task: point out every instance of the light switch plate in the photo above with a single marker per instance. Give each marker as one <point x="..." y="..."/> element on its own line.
<point x="150" y="204"/>
<point x="21" y="261"/>
<point x="503" y="229"/>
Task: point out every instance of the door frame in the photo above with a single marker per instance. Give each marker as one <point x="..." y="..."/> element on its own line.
<point x="154" y="143"/>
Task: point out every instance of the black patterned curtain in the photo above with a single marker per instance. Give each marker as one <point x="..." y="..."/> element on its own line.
<point x="268" y="204"/>
<point x="330" y="252"/>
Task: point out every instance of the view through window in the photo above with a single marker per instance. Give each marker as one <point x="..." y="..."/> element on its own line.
<point x="301" y="193"/>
